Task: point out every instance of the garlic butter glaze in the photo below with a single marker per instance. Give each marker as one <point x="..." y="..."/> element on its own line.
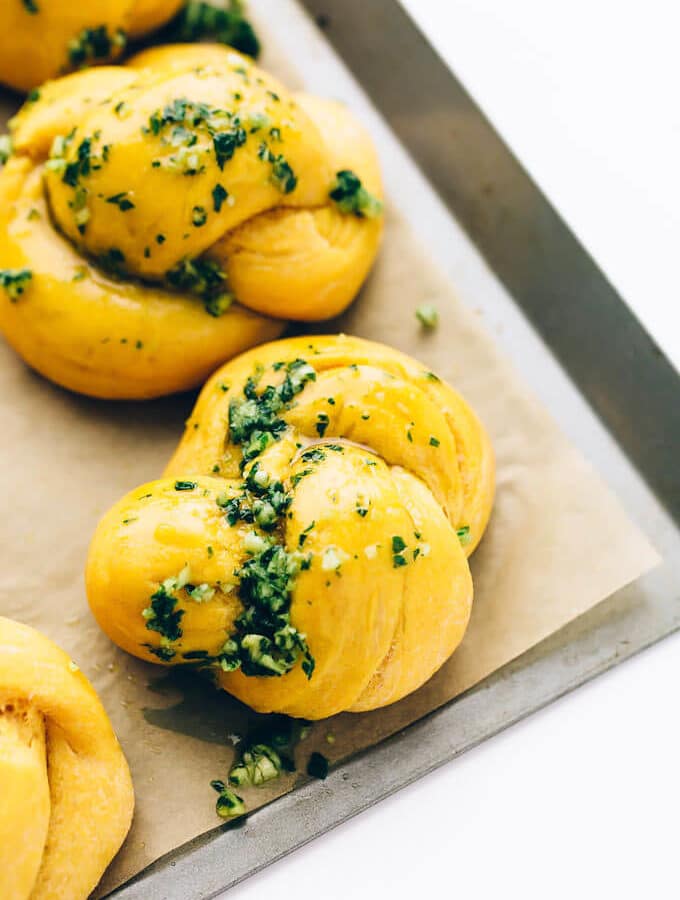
<point x="158" y="218"/>
<point x="308" y="543"/>
<point x="66" y="796"/>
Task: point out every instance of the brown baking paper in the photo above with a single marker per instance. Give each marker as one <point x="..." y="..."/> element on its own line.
<point x="558" y="543"/>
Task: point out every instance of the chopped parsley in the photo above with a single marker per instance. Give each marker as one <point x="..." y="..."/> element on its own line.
<point x="217" y="306"/>
<point x="226" y="143"/>
<point x="182" y="116"/>
<point x="428" y="316"/>
<point x="81" y="166"/>
<point x="5" y="148"/>
<point x="254" y="422"/>
<point x="297" y="478"/>
<point x="282" y="175"/>
<point x="321" y="425"/>
<point x="304" y="534"/>
<point x="225" y="24"/>
<point x="219" y="195"/>
<point x="199" y="216"/>
<point x="95" y="44"/>
<point x="180" y="111"/>
<point x="163" y="616"/>
<point x="200" y="593"/>
<point x="31" y="7"/>
<point x="201" y="277"/>
<point x="264" y="642"/>
<point x="464" y="535"/>
<point x="398" y="547"/>
<point x="352" y="198"/>
<point x="228" y="803"/>
<point x="316" y="454"/>
<point x="121" y="201"/>
<point x="258" y="764"/>
<point x="434" y="442"/>
<point x="262" y="501"/>
<point x="265" y="754"/>
<point x="14" y="282"/>
<point x="185" y="485"/>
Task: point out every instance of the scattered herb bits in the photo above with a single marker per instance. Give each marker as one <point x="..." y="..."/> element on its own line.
<point x="14" y="282"/>
<point x="5" y="148"/>
<point x="122" y="201"/>
<point x="257" y="765"/>
<point x="398" y="547"/>
<point x="219" y="195"/>
<point x="464" y="535"/>
<point x="228" y="803"/>
<point x="95" y="44"/>
<point x="352" y="198"/>
<point x="185" y="485"/>
<point x="224" y="24"/>
<point x="282" y="175"/>
<point x="199" y="216"/>
<point x="428" y="316"/>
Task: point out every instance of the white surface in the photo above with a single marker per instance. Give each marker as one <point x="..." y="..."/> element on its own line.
<point x="585" y="93"/>
<point x="580" y="800"/>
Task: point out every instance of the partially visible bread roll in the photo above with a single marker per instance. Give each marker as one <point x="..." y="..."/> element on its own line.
<point x="66" y="797"/>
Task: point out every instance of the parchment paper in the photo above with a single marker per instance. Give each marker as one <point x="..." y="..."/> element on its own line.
<point x="558" y="543"/>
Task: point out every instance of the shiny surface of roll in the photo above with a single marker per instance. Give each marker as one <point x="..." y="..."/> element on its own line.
<point x="169" y="214"/>
<point x="308" y="542"/>
<point x="66" y="796"/>
<point x="42" y="39"/>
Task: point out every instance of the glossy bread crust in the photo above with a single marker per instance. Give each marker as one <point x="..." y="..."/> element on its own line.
<point x="145" y="200"/>
<point x="42" y="39"/>
<point x="66" y="794"/>
<point x="390" y="480"/>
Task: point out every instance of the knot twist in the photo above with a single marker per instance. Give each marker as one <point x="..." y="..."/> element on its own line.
<point x="66" y="791"/>
<point x="161" y="217"/>
<point x="308" y="544"/>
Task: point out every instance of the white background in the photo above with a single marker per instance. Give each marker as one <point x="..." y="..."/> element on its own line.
<point x="582" y="799"/>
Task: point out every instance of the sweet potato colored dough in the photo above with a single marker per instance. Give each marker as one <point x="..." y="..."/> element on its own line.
<point x="308" y="542"/>
<point x="142" y="201"/>
<point x="41" y="39"/>
<point x="66" y="795"/>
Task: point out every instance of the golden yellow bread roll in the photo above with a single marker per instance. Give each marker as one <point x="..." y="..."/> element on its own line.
<point x="158" y="218"/>
<point x="41" y="39"/>
<point x="66" y="796"/>
<point x="308" y="543"/>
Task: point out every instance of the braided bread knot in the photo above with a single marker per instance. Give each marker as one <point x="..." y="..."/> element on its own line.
<point x="161" y="217"/>
<point x="41" y="39"/>
<point x="308" y="544"/>
<point x="65" y="788"/>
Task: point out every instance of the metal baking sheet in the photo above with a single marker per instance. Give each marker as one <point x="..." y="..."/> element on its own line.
<point x="568" y="332"/>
